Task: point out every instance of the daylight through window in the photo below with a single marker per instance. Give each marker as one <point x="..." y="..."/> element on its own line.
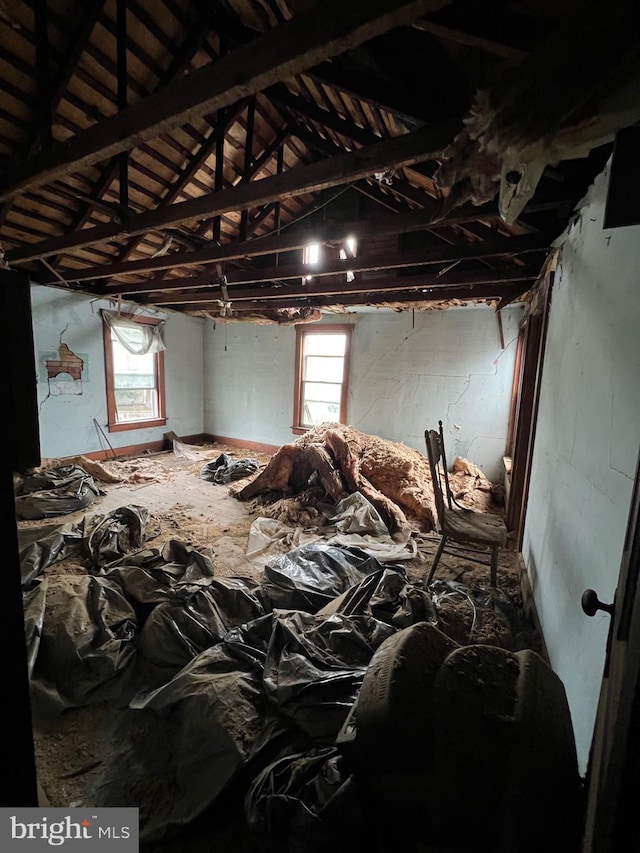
<point x="135" y="383"/>
<point x="322" y="372"/>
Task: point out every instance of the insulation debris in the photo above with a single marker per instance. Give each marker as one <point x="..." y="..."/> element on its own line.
<point x="354" y="521"/>
<point x="97" y="470"/>
<point x="394" y="478"/>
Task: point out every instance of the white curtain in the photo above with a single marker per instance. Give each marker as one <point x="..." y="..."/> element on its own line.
<point x="136" y="338"/>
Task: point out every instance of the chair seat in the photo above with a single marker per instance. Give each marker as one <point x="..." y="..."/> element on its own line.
<point x="469" y="526"/>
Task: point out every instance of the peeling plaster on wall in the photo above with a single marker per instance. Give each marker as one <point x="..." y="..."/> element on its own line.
<point x="407" y="372"/>
<point x="586" y="447"/>
<point x="66" y="421"/>
<point x="64" y="373"/>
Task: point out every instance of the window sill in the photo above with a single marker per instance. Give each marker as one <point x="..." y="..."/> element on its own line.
<point x="129" y="425"/>
<point x="299" y="430"/>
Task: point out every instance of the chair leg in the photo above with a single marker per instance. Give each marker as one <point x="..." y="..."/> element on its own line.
<point x="436" y="559"/>
<point x="494" y="566"/>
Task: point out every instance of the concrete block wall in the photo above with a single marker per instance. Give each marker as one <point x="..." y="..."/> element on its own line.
<point x="586" y="447"/>
<point x="407" y="372"/>
<point x="66" y="422"/>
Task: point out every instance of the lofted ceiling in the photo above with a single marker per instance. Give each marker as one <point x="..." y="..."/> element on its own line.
<point x="182" y="153"/>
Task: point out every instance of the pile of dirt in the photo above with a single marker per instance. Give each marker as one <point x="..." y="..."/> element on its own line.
<point x="395" y="478"/>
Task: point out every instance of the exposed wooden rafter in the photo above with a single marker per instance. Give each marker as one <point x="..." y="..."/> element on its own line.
<point x="277" y="54"/>
<point x="424" y="144"/>
<point x="362" y="229"/>
<point x="197" y="143"/>
<point x="486" y="282"/>
<point x="363" y="263"/>
<point x="471" y="40"/>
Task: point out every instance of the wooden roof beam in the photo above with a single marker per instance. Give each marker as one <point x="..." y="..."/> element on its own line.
<point x="180" y="62"/>
<point x="471" y="40"/>
<point x="506" y="292"/>
<point x="291" y="239"/>
<point x="424" y="144"/>
<point x="280" y="96"/>
<point x="188" y="172"/>
<point x="323" y="32"/>
<point x="338" y="287"/>
<point x="400" y="187"/>
<point x="363" y="263"/>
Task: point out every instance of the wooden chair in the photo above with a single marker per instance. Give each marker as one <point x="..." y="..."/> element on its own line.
<point x="459" y="524"/>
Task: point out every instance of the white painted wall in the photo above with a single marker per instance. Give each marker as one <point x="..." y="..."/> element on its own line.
<point x="407" y="372"/>
<point x="66" y="422"/>
<point x="586" y="447"/>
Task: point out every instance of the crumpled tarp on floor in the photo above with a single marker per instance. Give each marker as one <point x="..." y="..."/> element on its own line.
<point x="353" y="522"/>
<point x="303" y="802"/>
<point x="193" y="735"/>
<point x="224" y="469"/>
<point x="34" y="601"/>
<point x="108" y="537"/>
<point x="223" y="672"/>
<point x="287" y="672"/>
<point x="39" y="547"/>
<point x="90" y="623"/>
<point x="194" y="617"/>
<point x="86" y="642"/>
<point x="313" y="575"/>
<point x="55" y="491"/>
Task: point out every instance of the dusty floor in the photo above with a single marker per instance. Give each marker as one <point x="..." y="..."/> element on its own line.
<point x="183" y="506"/>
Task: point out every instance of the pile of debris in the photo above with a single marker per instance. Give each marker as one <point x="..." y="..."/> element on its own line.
<point x="214" y="681"/>
<point x="394" y="478"/>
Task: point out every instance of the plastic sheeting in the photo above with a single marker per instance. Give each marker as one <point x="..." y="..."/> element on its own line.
<point x="194" y="617"/>
<point x="304" y="803"/>
<point x="39" y="547"/>
<point x="291" y="674"/>
<point x="55" y="491"/>
<point x="354" y="522"/>
<point x="145" y="577"/>
<point x="108" y="537"/>
<point x="233" y="683"/>
<point x="86" y="642"/>
<point x="34" y="601"/>
<point x="387" y="596"/>
<point x="313" y="575"/>
<point x="314" y="667"/>
<point x="198" y="732"/>
<point x="224" y="469"/>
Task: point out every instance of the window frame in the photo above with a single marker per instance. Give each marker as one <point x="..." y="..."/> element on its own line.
<point x="301" y="333"/>
<point x="113" y="424"/>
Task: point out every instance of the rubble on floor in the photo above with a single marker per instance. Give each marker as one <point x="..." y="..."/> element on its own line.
<point x="394" y="478"/>
<point x="209" y="683"/>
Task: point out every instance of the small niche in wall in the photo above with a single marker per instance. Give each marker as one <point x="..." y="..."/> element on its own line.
<point x="63" y="371"/>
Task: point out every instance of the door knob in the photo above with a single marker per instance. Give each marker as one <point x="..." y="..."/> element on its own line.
<point x="591" y="603"/>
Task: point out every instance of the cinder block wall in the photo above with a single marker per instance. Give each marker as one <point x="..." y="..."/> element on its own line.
<point x="586" y="448"/>
<point x="407" y="372"/>
<point x="66" y="421"/>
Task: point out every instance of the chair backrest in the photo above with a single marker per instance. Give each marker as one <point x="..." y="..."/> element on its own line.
<point x="445" y="469"/>
<point x="434" y="454"/>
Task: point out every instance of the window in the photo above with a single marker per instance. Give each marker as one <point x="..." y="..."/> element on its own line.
<point x="322" y="375"/>
<point x="310" y="257"/>
<point x="135" y="383"/>
<point x="349" y="251"/>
